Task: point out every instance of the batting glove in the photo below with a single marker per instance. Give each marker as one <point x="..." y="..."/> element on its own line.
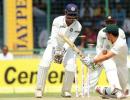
<point x="88" y="61"/>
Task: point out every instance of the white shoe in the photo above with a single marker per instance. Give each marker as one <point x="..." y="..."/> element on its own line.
<point x="100" y="91"/>
<point x="38" y="93"/>
<point x="120" y="95"/>
<point x="66" y="94"/>
<point x="128" y="95"/>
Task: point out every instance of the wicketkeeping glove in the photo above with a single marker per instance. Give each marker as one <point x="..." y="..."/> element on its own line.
<point x="58" y="54"/>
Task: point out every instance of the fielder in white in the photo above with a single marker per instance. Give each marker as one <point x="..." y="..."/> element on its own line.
<point x="118" y="62"/>
<point x="103" y="45"/>
<point x="57" y="50"/>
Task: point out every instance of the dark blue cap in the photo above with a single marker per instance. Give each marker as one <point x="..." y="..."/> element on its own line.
<point x="71" y="9"/>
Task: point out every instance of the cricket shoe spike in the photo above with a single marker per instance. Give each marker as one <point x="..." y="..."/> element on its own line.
<point x="66" y="94"/>
<point x="38" y="93"/>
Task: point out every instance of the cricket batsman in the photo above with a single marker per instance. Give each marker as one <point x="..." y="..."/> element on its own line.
<point x="59" y="51"/>
<point x="103" y="45"/>
<point x="118" y="71"/>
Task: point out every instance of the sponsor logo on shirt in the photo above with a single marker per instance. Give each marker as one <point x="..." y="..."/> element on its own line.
<point x="77" y="31"/>
<point x="62" y="26"/>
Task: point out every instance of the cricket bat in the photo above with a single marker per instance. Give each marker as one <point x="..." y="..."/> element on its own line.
<point x="72" y="45"/>
<point x="81" y="55"/>
<point x="79" y="52"/>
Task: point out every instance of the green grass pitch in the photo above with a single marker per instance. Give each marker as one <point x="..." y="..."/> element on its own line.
<point x="49" y="96"/>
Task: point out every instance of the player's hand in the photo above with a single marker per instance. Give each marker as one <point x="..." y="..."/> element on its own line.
<point x="89" y="62"/>
<point x="58" y="54"/>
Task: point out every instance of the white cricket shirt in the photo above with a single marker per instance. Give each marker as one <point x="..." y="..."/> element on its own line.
<point x="9" y="56"/>
<point x="59" y="26"/>
<point x="121" y="50"/>
<point x="103" y="43"/>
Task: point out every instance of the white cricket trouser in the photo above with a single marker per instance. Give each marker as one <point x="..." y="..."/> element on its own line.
<point x="68" y="62"/>
<point x="123" y="76"/>
<point x="111" y="73"/>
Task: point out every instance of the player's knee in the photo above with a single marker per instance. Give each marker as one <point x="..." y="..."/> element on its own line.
<point x="44" y="65"/>
<point x="70" y="68"/>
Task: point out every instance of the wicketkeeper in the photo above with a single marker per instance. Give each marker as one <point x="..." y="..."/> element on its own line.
<point x="59" y="51"/>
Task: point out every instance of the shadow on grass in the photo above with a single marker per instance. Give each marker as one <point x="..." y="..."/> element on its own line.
<point x="23" y="95"/>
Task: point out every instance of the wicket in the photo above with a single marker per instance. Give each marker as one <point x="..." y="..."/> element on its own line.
<point x="76" y="80"/>
<point x="83" y="81"/>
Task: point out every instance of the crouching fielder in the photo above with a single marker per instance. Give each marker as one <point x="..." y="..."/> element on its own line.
<point x="57" y="50"/>
<point x="118" y="53"/>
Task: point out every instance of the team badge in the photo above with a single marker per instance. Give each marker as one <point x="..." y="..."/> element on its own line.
<point x="71" y="29"/>
<point x="72" y="8"/>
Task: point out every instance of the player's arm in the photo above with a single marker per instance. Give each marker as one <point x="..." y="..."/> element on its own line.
<point x="58" y="52"/>
<point x="102" y="43"/>
<point x="54" y="32"/>
<point x="103" y="57"/>
<point x="114" y="51"/>
<point x="95" y="62"/>
<point x="73" y="36"/>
